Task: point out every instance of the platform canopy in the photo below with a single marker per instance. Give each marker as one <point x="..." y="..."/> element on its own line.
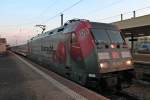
<point x="137" y="27"/>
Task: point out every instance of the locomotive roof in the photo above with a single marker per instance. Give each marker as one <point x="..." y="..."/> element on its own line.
<point x="63" y="29"/>
<point x="71" y="27"/>
<point x="103" y="26"/>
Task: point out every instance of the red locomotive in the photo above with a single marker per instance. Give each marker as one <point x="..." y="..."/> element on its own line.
<point x="90" y="53"/>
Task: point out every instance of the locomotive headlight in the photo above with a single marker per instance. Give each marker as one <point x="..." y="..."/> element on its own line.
<point x="112" y="46"/>
<point x="103" y="65"/>
<point x="129" y="62"/>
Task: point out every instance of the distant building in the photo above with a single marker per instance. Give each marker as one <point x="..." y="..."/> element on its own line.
<point x="3" y="46"/>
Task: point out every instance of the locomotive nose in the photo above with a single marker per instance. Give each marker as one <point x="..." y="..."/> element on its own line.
<point x="114" y="58"/>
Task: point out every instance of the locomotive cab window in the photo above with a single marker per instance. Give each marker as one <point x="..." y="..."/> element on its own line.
<point x="100" y="36"/>
<point x="73" y="38"/>
<point x="115" y="36"/>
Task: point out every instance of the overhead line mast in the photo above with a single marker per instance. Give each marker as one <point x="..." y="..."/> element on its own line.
<point x="62" y="15"/>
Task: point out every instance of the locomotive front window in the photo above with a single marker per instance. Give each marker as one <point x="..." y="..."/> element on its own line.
<point x="115" y="36"/>
<point x="100" y="36"/>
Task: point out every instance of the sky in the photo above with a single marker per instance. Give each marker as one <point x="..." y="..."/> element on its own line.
<point x="19" y="17"/>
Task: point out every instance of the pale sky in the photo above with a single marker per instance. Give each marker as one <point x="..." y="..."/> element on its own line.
<point x="18" y="17"/>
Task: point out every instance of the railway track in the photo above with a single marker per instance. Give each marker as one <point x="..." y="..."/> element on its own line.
<point x="140" y="90"/>
<point x="123" y="96"/>
<point x="143" y="70"/>
<point x="135" y="92"/>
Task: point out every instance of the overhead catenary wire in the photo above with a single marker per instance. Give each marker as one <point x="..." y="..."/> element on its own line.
<point x="110" y="17"/>
<point x="96" y="10"/>
<point x="50" y="6"/>
<point x="66" y="9"/>
<point x="34" y="21"/>
<point x="125" y="13"/>
<point x="44" y="11"/>
<point x="143" y="8"/>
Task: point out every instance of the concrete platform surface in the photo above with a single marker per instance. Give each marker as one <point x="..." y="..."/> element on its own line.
<point x="22" y="79"/>
<point x="19" y="82"/>
<point x="141" y="58"/>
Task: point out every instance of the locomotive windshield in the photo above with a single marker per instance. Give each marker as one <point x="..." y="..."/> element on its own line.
<point x="115" y="36"/>
<point x="107" y="36"/>
<point x="100" y="36"/>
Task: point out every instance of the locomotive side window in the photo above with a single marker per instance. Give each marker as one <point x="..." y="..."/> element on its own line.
<point x="73" y="38"/>
<point x="83" y="33"/>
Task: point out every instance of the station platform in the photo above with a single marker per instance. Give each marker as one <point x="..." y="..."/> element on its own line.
<point x="141" y="58"/>
<point x="20" y="79"/>
<point x="142" y="66"/>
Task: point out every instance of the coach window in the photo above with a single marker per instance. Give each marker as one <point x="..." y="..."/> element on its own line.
<point x="73" y="38"/>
